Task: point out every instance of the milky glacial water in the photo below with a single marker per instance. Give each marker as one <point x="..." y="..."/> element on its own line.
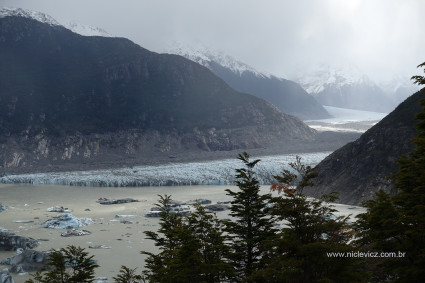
<point x="30" y="202"/>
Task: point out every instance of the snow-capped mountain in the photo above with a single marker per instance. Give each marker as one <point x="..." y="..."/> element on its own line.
<point x="6" y="12"/>
<point x="399" y="88"/>
<point x="345" y="87"/>
<point x="286" y="95"/>
<point x="84" y="30"/>
<point x="162" y="104"/>
<point x="325" y="76"/>
<point x="208" y="57"/>
<point x="87" y="30"/>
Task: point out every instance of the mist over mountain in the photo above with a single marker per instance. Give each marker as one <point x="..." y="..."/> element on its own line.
<point x="67" y="97"/>
<point x="361" y="168"/>
<point x="47" y="19"/>
<point x="286" y="95"/>
<point x="86" y="30"/>
<point x="399" y="88"/>
<point x="348" y="87"/>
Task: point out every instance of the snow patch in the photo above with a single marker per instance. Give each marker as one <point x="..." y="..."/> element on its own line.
<point x="86" y="30"/>
<point x="326" y="76"/>
<point x="8" y="12"/>
<point x="205" y="56"/>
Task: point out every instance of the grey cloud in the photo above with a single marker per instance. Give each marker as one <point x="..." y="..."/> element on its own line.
<point x="382" y="37"/>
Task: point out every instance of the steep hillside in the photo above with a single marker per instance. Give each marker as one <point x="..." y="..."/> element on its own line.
<point x="65" y="97"/>
<point x="361" y="168"/>
<point x="286" y="95"/>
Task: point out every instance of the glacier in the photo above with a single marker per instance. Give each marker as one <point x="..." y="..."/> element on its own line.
<point x="343" y="115"/>
<point x="218" y="172"/>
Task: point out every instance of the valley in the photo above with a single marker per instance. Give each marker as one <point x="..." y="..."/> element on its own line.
<point x="97" y="126"/>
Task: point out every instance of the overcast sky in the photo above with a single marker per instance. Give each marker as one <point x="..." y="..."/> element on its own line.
<point x="383" y="38"/>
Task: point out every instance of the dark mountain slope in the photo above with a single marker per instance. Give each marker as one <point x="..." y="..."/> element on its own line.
<point x="287" y="96"/>
<point x="361" y="168"/>
<point x="68" y="97"/>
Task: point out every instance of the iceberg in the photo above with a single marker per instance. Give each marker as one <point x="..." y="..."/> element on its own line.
<point x="66" y="221"/>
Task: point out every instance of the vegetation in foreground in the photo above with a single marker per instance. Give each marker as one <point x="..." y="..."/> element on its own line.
<point x="283" y="238"/>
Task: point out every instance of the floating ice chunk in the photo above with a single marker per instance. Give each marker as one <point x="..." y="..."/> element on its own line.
<point x="58" y="209"/>
<point x="100" y="247"/>
<point x="66" y="221"/>
<point x="124" y="215"/>
<point x="75" y="232"/>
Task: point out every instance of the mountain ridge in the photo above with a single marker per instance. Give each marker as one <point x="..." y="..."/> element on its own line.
<point x="286" y="95"/>
<point x="70" y="98"/>
<point x="84" y="30"/>
<point x="19" y="12"/>
<point x="359" y="169"/>
<point x="348" y="87"/>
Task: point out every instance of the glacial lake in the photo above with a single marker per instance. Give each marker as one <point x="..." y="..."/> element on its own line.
<point x="125" y="241"/>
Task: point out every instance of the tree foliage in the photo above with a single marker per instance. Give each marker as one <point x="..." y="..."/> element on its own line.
<point x="397" y="223"/>
<point x="215" y="252"/>
<point x="192" y="248"/>
<point x="420" y="80"/>
<point x="252" y="227"/>
<point x="67" y="265"/>
<point x="309" y="231"/>
<point x="128" y="275"/>
<point x="159" y="266"/>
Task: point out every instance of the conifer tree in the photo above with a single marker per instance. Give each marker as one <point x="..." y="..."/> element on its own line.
<point x="419" y="80"/>
<point x="192" y="248"/>
<point x="252" y="227"/>
<point x="158" y="266"/>
<point x="67" y="265"/>
<point x="128" y="275"/>
<point x="208" y="230"/>
<point x="310" y="231"/>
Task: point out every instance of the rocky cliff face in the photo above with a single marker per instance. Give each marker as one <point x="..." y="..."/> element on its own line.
<point x="68" y="98"/>
<point x="129" y="147"/>
<point x="359" y="169"/>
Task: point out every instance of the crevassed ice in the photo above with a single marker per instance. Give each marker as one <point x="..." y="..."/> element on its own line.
<point x="219" y="172"/>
